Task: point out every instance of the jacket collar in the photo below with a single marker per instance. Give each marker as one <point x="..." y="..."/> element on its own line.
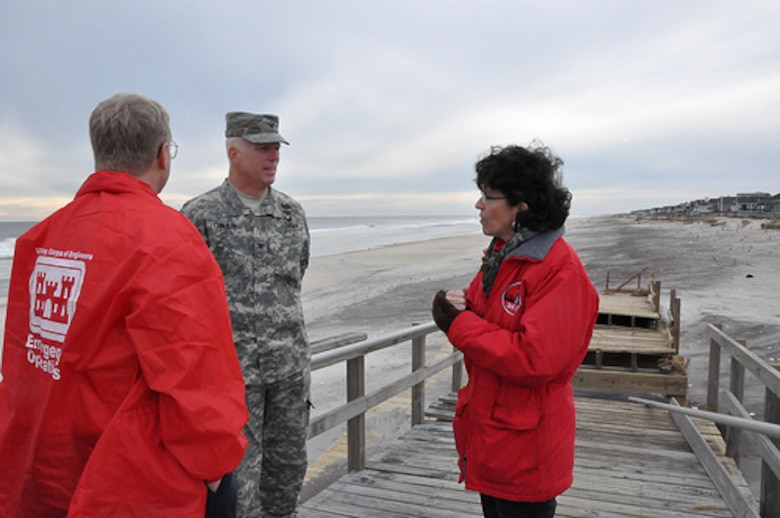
<point x="538" y="246"/>
<point x="116" y="182"/>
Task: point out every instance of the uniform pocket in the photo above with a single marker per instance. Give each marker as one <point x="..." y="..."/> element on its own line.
<point x="286" y="241"/>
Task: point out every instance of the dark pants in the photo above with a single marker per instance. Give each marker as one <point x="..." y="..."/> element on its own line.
<point x="222" y="503"/>
<point x="496" y="508"/>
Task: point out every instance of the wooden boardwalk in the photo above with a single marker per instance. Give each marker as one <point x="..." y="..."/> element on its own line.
<point x="631" y="461"/>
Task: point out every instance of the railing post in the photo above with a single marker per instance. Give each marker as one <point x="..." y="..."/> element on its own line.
<point x="770" y="483"/>
<point x="675" y="305"/>
<point x="356" y="427"/>
<point x="418" y="390"/>
<point x="713" y="379"/>
<point x="733" y="434"/>
<point x="656" y="290"/>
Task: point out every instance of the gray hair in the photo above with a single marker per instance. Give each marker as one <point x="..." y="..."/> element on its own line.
<point x="127" y="131"/>
<point x="236" y="142"/>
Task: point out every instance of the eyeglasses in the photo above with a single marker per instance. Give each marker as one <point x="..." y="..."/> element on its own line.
<point x="173" y="148"/>
<point x="486" y="197"/>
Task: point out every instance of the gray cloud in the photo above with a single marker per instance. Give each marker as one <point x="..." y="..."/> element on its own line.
<point x="388" y="104"/>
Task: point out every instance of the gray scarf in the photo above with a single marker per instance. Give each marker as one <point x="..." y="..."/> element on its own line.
<point x="494" y="258"/>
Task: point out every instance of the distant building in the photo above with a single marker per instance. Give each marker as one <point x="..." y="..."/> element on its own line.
<point x="753" y="202"/>
<point x="774" y="204"/>
<point x="727" y="204"/>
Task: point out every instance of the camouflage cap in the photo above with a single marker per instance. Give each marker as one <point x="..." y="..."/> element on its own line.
<point x="260" y="129"/>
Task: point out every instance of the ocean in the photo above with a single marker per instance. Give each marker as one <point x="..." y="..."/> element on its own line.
<point x="329" y="235"/>
<point x="336" y="235"/>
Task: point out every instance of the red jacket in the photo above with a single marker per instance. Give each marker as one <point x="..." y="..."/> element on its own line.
<point x="122" y="390"/>
<point x="515" y="421"/>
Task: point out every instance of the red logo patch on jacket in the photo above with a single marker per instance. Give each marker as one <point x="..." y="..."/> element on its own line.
<point x="512" y="298"/>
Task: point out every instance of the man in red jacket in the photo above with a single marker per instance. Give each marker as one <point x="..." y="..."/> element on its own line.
<point x="122" y="392"/>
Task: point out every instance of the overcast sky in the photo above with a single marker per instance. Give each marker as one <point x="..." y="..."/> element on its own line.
<point x="388" y="104"/>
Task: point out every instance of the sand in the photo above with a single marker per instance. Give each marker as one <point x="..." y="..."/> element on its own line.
<point x="385" y="288"/>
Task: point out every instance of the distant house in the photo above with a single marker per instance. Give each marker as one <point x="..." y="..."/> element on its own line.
<point x="751" y="204"/>
<point x="774" y="204"/>
<point x="753" y="201"/>
<point x="727" y="204"/>
<point x="705" y="206"/>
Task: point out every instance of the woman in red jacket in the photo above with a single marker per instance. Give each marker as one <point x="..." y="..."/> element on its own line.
<point x="523" y="325"/>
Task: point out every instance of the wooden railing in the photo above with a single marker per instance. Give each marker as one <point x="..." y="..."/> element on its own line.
<point x="730" y="400"/>
<point x="352" y="349"/>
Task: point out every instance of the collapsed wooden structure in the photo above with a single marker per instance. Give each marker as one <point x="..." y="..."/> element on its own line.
<point x="634" y="348"/>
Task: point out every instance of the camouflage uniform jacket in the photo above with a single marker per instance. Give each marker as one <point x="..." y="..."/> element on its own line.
<point x="263" y="255"/>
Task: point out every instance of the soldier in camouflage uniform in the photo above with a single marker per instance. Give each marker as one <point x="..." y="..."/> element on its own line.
<point x="260" y="239"/>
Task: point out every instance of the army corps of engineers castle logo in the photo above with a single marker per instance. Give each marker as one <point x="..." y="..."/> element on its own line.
<point x="55" y="285"/>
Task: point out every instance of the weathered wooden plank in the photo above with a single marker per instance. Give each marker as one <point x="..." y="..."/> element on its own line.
<point x="682" y="484"/>
<point x="630" y="339"/>
<point x="388" y="498"/>
<point x="430" y="489"/>
<point x="626" y="381"/>
<point x="627" y="305"/>
<point x="334" y="342"/>
<point x="338" y="503"/>
<point x="739" y="503"/>
<point x="629" y="462"/>
<point x="438" y="413"/>
<point x="574" y="504"/>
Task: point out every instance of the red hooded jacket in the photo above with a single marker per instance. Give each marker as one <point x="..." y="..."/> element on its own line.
<point x="515" y="420"/>
<point x="122" y="390"/>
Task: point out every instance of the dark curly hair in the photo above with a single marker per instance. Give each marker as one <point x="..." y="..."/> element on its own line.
<point x="531" y="175"/>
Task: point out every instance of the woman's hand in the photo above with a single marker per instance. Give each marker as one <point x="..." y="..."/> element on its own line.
<point x="457" y="298"/>
<point x="444" y="311"/>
